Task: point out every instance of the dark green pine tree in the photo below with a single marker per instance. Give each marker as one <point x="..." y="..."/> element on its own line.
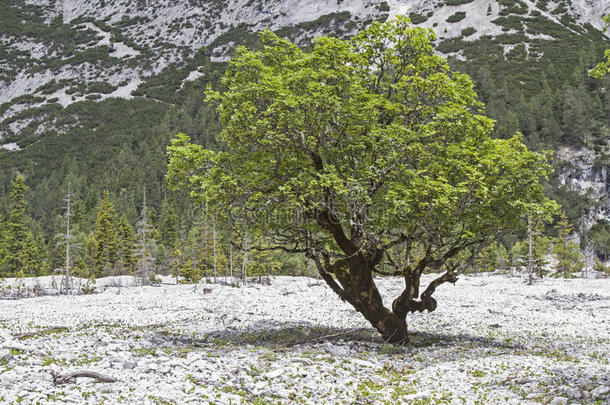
<point x="126" y="260"/>
<point x="3" y="244"/>
<point x="170" y="225"/>
<point x="22" y="253"/>
<point x="106" y="238"/>
<point x="566" y="251"/>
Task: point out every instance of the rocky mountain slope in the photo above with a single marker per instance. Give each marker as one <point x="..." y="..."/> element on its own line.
<point x="60" y="52"/>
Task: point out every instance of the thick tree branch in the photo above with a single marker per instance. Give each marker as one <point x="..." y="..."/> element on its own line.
<point x="332" y="283"/>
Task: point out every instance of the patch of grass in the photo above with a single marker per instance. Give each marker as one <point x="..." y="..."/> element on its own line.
<point x="478" y="373"/>
<point x="145" y="351"/>
<point x="160" y="401"/>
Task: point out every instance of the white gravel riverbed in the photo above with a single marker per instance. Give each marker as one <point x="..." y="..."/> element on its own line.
<point x="492" y="339"/>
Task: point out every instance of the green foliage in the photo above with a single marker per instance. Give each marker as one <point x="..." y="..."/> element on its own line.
<point x="540" y="250"/>
<point x="310" y="133"/>
<point x="566" y="252"/>
<point x="337" y="23"/>
<point x="106" y="238"/>
<point x="384" y="7"/>
<point x="599" y="237"/>
<point x="603" y="68"/>
<point x="466" y="32"/>
<point x="263" y="262"/>
<point x="126" y="239"/>
<point x="491" y="258"/>
<point x="146" y="243"/>
<point x="101" y="87"/>
<point x="513" y="7"/>
<point x="417" y="18"/>
<point x="539" y="87"/>
<point x="457" y="16"/>
<point x="22" y="251"/>
<point x="601" y="267"/>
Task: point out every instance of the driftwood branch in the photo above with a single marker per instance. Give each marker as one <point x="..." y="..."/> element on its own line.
<point x="59" y="379"/>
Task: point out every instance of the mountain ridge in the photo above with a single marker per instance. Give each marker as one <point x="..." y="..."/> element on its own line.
<point x="142" y="38"/>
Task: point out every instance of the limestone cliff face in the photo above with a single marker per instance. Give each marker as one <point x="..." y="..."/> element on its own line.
<point x="584" y="172"/>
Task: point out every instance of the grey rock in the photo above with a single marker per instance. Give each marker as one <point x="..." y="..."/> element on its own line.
<point x="12" y="345"/>
<point x="303" y="361"/>
<point x="600" y="391"/>
<point x="572" y="392"/>
<point x="129" y="365"/>
<point x="6" y="355"/>
<point x="559" y="401"/>
<point x="274" y="373"/>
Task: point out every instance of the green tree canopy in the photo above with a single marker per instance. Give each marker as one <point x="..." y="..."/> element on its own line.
<point x="603" y="68"/>
<point x="357" y="149"/>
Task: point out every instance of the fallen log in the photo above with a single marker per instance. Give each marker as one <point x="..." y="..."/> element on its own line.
<point x="59" y="379"/>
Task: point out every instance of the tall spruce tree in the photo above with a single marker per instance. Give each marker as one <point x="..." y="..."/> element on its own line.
<point x="106" y="238"/>
<point x="22" y="253"/>
<point x="566" y="251"/>
<point x="126" y="245"/>
<point x="3" y="243"/>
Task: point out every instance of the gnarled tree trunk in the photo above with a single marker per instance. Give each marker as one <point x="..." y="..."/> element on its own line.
<point x="352" y="280"/>
<point x="356" y="286"/>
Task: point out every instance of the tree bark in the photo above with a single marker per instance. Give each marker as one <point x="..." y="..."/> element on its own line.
<point x="356" y="286"/>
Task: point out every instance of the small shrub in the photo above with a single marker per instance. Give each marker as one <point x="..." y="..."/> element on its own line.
<point x="383" y="7"/>
<point x="466" y="32"/>
<point x="457" y="2"/>
<point x="417" y="18"/>
<point x="458" y="16"/>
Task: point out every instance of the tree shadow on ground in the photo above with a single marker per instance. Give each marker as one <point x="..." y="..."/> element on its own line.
<point x="425" y="339"/>
<point x="279" y="335"/>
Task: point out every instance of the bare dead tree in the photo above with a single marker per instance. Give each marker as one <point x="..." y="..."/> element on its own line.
<point x="244" y="270"/>
<point x="145" y="243"/>
<point x="530" y="262"/>
<point x="66" y="236"/>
